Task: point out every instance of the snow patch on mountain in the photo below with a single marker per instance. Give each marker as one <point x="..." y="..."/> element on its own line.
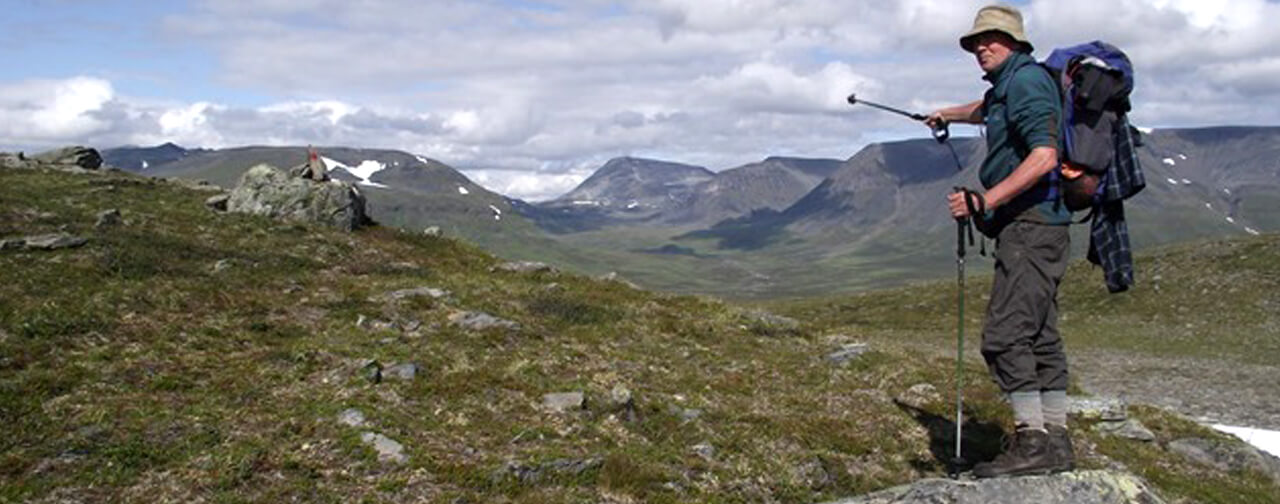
<point x="362" y="171"/>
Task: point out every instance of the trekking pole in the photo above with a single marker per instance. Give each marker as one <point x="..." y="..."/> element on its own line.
<point x="963" y="224"/>
<point x="941" y="132"/>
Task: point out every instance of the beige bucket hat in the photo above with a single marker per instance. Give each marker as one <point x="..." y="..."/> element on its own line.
<point x="1002" y="18"/>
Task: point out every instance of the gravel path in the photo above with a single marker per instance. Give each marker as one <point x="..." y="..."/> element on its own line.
<point x="1209" y="390"/>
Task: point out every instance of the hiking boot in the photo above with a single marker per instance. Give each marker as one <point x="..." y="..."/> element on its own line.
<point x="1028" y="452"/>
<point x="1060" y="445"/>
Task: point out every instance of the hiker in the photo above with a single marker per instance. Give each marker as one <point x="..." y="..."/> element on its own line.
<point x="1020" y="340"/>
<point x="314" y="168"/>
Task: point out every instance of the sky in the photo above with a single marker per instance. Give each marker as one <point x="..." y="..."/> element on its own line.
<point x="529" y="97"/>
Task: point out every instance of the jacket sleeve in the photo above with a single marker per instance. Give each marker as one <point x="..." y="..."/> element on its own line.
<point x="1034" y="108"/>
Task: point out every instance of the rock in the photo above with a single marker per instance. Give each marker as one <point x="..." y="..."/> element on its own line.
<point x="372" y="371"/>
<point x="372" y="324"/>
<point x="704" y="450"/>
<point x="13" y="243"/>
<point x="53" y="241"/>
<point x="1128" y="429"/>
<point x="217" y="203"/>
<point x="268" y="191"/>
<point x="814" y="473"/>
<point x="75" y="156"/>
<point x="399" y="295"/>
<point x="407" y="371"/>
<point x="14" y="160"/>
<point x="620" y="397"/>
<point x="1079" y="487"/>
<point x="432" y="231"/>
<point x="223" y="265"/>
<point x="480" y="321"/>
<point x="1227" y="455"/>
<point x="108" y="218"/>
<point x="411" y="325"/>
<point x="523" y="267"/>
<point x="847" y="353"/>
<point x="919" y="396"/>
<point x="686" y="414"/>
<point x="1107" y="409"/>
<point x="388" y="449"/>
<point x="351" y="417"/>
<point x="564" y="402"/>
<point x="767" y="324"/>
<point x="528" y="474"/>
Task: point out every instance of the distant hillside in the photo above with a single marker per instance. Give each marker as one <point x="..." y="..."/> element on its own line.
<point x="403" y="190"/>
<point x="880" y="219"/>
<point x="625" y="190"/>
<point x="641" y="192"/>
<point x="773" y="184"/>
<point x="141" y="159"/>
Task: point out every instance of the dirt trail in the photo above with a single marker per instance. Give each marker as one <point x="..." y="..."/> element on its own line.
<point x="1210" y="390"/>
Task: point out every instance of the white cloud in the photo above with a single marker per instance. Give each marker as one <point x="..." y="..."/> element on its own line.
<point x="765" y="86"/>
<point x="528" y="186"/>
<point x="38" y="111"/>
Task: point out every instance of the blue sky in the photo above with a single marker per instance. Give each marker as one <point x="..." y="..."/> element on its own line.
<point x="528" y="97"/>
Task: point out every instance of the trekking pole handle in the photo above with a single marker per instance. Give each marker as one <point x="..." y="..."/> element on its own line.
<point x="942" y="131"/>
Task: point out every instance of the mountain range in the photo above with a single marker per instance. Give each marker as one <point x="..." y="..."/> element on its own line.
<point x="779" y="227"/>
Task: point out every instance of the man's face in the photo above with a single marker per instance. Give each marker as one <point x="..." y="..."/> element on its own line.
<point x="992" y="48"/>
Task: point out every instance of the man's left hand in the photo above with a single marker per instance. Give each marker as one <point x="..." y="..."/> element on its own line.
<point x="959" y="209"/>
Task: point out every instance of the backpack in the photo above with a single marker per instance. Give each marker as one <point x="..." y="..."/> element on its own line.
<point x="1099" y="162"/>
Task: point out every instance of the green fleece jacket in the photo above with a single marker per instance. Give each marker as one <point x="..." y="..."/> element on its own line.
<point x="1021" y="111"/>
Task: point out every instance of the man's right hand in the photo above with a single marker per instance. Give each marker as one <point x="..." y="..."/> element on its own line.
<point x="936" y="120"/>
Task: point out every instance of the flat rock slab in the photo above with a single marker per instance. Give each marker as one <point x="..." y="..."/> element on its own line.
<point x="388" y="449"/>
<point x="352" y="417"/>
<point x="1128" y="429"/>
<point x="1108" y="409"/>
<point x="480" y="321"/>
<point x="523" y="267"/>
<point x="53" y="241"/>
<point x="406" y="372"/>
<point x="846" y="353"/>
<point x="1080" y="487"/>
<point x="564" y="401"/>
<point x="402" y="294"/>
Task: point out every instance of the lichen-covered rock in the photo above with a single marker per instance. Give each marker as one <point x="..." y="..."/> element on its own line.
<point x="269" y="191"/>
<point x="1080" y="487"/>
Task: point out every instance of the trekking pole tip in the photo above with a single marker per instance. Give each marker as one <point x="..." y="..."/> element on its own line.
<point x="853" y="99"/>
<point x="957" y="465"/>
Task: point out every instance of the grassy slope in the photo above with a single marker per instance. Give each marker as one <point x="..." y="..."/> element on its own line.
<point x="130" y="370"/>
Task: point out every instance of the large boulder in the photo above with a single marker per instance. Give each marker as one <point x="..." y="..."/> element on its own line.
<point x="1080" y="487"/>
<point x="270" y="191"/>
<point x="74" y="156"/>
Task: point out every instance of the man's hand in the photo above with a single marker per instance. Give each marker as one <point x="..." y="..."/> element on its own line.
<point x="935" y="120"/>
<point x="959" y="209"/>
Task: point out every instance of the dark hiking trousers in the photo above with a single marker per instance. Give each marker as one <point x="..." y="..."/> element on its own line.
<point x="1020" y="341"/>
